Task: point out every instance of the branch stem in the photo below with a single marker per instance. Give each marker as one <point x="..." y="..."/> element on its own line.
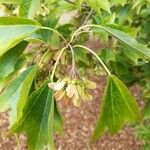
<point x="87" y="18"/>
<point x="83" y="27"/>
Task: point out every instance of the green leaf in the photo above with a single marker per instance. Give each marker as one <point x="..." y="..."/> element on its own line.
<point x="81" y="55"/>
<point x="107" y="55"/>
<point x="10" y="1"/>
<point x="110" y="19"/>
<point x="79" y="3"/>
<point x="19" y="65"/>
<point x="105" y="5"/>
<point x="9" y="59"/>
<point x="97" y="4"/>
<point x="124" y="14"/>
<point x="58" y="120"/>
<point x="29" y="8"/>
<point x="134" y="57"/>
<point x="50" y="2"/>
<point x="116" y="2"/>
<point x="13" y="30"/>
<point x="147" y="110"/>
<point x="35" y="120"/>
<point x="118" y="107"/>
<point x="136" y="3"/>
<point x="129" y="41"/>
<point x="17" y="21"/>
<point x="15" y="94"/>
<point x="66" y="6"/>
<point x="93" y="5"/>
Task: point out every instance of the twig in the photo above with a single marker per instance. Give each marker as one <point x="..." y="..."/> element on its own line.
<point x="87" y="18"/>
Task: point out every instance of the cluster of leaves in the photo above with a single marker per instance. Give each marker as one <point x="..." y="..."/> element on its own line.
<point x="25" y="69"/>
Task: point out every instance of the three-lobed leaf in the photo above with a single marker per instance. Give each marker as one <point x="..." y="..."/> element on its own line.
<point x="118" y="107"/>
<point x="37" y="118"/>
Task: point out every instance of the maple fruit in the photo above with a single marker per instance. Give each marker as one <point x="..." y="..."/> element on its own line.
<point x="73" y="90"/>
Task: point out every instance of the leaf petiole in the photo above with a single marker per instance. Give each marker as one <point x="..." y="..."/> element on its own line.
<point x="91" y="51"/>
<point x="55" y="31"/>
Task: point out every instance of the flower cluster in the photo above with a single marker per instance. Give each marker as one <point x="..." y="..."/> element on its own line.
<point x="73" y="90"/>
